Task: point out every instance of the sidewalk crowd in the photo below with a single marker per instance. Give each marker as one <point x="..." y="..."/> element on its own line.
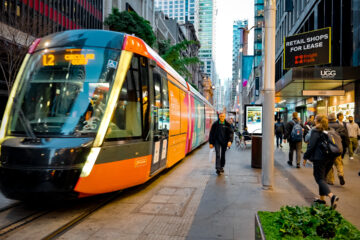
<point x="327" y="140"/>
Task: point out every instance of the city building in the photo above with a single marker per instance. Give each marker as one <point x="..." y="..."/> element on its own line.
<point x="205" y="22"/>
<point x="203" y="15"/>
<point x="255" y="82"/>
<point x="305" y="82"/>
<point x="181" y="10"/>
<point x="193" y="51"/>
<point x="144" y="8"/>
<point x="23" y="21"/>
<point x="239" y="28"/>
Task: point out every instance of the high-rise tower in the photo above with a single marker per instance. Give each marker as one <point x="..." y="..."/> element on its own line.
<point x="181" y="10"/>
<point x="239" y="30"/>
<point x="205" y="27"/>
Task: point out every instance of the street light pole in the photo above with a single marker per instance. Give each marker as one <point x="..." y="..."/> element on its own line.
<point x="269" y="96"/>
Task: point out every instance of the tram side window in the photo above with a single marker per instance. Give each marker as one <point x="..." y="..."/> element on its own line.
<point x="126" y="121"/>
<point x="145" y="96"/>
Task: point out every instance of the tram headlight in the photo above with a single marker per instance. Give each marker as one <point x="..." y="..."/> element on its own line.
<point x="90" y="161"/>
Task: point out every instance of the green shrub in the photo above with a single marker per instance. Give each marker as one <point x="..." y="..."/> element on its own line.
<point x="316" y="222"/>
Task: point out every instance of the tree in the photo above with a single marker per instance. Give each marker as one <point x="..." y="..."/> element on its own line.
<point x="180" y="63"/>
<point x="131" y="23"/>
<point x="17" y="36"/>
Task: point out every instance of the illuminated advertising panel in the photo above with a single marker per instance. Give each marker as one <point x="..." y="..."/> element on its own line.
<point x="308" y="49"/>
<point x="253" y="118"/>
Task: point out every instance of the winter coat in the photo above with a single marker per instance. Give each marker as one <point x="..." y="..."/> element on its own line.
<point x="307" y="129"/>
<point x="313" y="151"/>
<point x="279" y="128"/>
<point x="221" y="133"/>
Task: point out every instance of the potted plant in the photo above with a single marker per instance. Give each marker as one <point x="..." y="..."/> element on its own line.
<point x="315" y="222"/>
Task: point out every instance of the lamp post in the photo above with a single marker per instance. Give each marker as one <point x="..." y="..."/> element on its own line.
<point x="269" y="96"/>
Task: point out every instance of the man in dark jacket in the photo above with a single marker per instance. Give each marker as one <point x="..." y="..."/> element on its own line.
<point x="221" y="136"/>
<point x="345" y="140"/>
<point x="295" y="145"/>
<point x="279" y="132"/>
<point x="338" y="161"/>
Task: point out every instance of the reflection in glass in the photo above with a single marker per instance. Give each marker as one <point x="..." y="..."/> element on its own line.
<point x="63" y="92"/>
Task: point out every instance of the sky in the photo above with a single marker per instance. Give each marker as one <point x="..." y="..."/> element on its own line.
<point x="227" y="12"/>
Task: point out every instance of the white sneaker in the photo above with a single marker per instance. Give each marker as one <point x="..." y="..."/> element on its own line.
<point x="351" y="158"/>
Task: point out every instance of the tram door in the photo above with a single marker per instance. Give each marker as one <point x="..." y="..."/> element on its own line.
<point x="161" y="121"/>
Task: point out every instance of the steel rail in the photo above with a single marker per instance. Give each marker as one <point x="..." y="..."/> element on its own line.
<point x="66" y="227"/>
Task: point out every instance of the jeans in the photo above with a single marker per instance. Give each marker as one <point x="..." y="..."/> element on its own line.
<point x="321" y="169"/>
<point x="340" y="170"/>
<point x="279" y="138"/>
<point x="295" y="146"/>
<point x="220" y="155"/>
<point x="352" y="146"/>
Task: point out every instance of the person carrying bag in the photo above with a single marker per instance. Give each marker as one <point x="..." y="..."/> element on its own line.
<point x="322" y="151"/>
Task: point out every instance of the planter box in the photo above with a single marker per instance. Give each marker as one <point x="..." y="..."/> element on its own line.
<point x="259" y="232"/>
<point x="343" y="229"/>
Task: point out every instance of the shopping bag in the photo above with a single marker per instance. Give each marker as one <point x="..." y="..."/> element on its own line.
<point x="212" y="155"/>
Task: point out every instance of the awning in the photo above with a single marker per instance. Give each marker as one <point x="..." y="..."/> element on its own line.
<point x="291" y="85"/>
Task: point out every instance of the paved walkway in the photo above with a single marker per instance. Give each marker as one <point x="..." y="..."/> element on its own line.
<point x="189" y="201"/>
<point x="229" y="203"/>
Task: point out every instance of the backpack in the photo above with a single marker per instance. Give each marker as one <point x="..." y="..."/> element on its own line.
<point x="296" y="132"/>
<point x="330" y="144"/>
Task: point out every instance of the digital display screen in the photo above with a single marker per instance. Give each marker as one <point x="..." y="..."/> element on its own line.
<point x="253" y="119"/>
<point x="308" y="48"/>
<point x="72" y="56"/>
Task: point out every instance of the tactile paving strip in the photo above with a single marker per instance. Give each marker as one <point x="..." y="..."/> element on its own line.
<point x="168" y="201"/>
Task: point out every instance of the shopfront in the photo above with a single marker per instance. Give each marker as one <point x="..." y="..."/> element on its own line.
<point x="344" y="104"/>
<point x="294" y="87"/>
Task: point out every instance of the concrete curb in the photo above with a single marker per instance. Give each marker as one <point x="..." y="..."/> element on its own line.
<point x="259" y="232"/>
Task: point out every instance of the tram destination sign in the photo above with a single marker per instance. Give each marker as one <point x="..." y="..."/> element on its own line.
<point x="308" y="49"/>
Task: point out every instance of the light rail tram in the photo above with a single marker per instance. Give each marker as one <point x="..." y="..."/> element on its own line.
<point x="94" y="111"/>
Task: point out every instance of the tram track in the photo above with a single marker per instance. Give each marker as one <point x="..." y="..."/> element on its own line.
<point x="23" y="220"/>
<point x="66" y="227"/>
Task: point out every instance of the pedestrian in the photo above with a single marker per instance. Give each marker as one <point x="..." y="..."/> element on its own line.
<point x="279" y="132"/>
<point x="354" y="132"/>
<point x="338" y="162"/>
<point x="294" y="134"/>
<point x="308" y="125"/>
<point x="221" y="136"/>
<point x="321" y="162"/>
<point x="345" y="141"/>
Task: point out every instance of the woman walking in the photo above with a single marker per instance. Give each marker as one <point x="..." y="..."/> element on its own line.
<point x="322" y="164"/>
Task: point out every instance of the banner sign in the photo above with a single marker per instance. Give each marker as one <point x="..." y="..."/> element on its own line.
<point x="323" y="93"/>
<point x="308" y="49"/>
<point x="253" y="119"/>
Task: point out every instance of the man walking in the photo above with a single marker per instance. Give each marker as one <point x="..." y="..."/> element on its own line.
<point x="294" y="135"/>
<point x="221" y="136"/>
<point x="354" y="132"/>
<point x="345" y="141"/>
<point x="338" y="161"/>
<point x="279" y="132"/>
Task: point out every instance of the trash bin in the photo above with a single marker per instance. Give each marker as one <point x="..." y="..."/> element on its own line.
<point x="256" y="150"/>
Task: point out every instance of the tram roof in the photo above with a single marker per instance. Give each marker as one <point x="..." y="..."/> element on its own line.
<point x="82" y="37"/>
<point x="114" y="40"/>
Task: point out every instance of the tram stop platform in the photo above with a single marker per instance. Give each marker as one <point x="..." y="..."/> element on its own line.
<point x="189" y="201"/>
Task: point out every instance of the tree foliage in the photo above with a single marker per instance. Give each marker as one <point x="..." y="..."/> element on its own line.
<point x="174" y="58"/>
<point x="131" y="23"/>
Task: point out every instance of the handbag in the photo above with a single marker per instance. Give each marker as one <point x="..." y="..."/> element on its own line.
<point x="212" y="155"/>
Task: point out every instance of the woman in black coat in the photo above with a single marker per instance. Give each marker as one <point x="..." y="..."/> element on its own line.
<point x="322" y="164"/>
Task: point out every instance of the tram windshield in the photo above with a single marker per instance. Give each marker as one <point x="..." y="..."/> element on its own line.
<point x="64" y="92"/>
